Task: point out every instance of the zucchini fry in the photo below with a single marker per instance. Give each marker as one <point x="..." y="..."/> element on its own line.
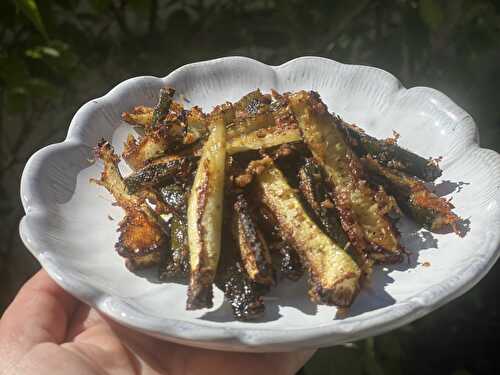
<point x="167" y="169"/>
<point x="143" y="234"/>
<point x="253" y="248"/>
<point x="141" y="116"/>
<point x="252" y="112"/>
<point x="194" y="119"/>
<point x="414" y="198"/>
<point x="261" y="139"/>
<point x="333" y="274"/>
<point x="389" y="153"/>
<point x="177" y="130"/>
<point x="366" y="226"/>
<point x="151" y="146"/>
<point x="175" y="263"/>
<point x="161" y="108"/>
<point x="314" y="191"/>
<point x="204" y="217"/>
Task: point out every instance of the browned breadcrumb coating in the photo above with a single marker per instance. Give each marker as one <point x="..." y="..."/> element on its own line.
<point x="142" y="235"/>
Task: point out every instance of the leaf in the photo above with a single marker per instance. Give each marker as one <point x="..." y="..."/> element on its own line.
<point x="30" y="10"/>
<point x="431" y="13"/>
<point x="41" y="51"/>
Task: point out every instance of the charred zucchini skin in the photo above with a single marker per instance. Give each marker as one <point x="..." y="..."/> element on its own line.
<point x="204" y="217"/>
<point x="288" y="261"/>
<point x="243" y="294"/>
<point x="174" y="264"/>
<point x="251" y="244"/>
<point x="314" y="191"/>
<point x="284" y="257"/>
<point x="389" y="153"/>
<point x="414" y="198"/>
<point x="366" y="227"/>
<point x="333" y="274"/>
<point x="175" y="196"/>
<point x="160" y="172"/>
<point x="161" y="108"/>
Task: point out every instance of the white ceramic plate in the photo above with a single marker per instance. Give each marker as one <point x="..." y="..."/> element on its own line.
<point x="67" y="227"/>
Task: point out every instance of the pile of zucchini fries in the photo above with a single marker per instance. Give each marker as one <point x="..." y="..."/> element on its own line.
<point x="270" y="187"/>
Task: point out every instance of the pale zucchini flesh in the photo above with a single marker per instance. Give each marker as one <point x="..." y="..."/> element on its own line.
<point x="261" y="139"/>
<point x="204" y="217"/>
<point x="333" y="273"/>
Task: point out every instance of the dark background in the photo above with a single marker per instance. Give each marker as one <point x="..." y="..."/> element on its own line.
<point x="56" y="55"/>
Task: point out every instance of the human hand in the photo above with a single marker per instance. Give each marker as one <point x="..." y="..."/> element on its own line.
<point x="47" y="331"/>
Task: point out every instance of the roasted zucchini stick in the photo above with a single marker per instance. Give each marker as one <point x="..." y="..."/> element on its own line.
<point x="252" y="112"/>
<point x="314" y="191"/>
<point x="161" y="108"/>
<point x="366" y="226"/>
<point x="179" y="129"/>
<point x="414" y="198"/>
<point x="204" y="217"/>
<point x="141" y="116"/>
<point x="194" y="119"/>
<point x="389" y="153"/>
<point x="175" y="263"/>
<point x="333" y="274"/>
<point x="253" y="248"/>
<point x="161" y="171"/>
<point x="143" y="234"/>
<point x="151" y="146"/>
<point x="261" y="139"/>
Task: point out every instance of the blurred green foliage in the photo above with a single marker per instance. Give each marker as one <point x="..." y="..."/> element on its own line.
<point x="57" y="54"/>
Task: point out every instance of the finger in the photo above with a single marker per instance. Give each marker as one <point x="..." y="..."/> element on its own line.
<point x="182" y="359"/>
<point x="39" y="313"/>
<point x="82" y="320"/>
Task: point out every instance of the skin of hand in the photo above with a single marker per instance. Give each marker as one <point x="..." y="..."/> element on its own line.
<point x="47" y="331"/>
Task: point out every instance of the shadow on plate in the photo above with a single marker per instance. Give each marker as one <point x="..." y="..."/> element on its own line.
<point x="287" y="293"/>
<point x="447" y="187"/>
<point x="151" y="275"/>
<point x="294" y="294"/>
